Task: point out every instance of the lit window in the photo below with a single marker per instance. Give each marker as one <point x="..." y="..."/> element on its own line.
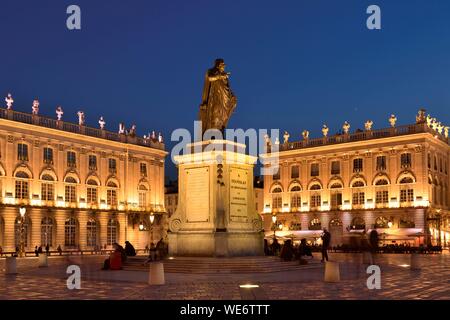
<point x="143" y="169"/>
<point x="22" y="152"/>
<point x="357" y="165"/>
<point x="48" y="155"/>
<point x="47" y="231"/>
<point x="112" y="231"/>
<point x="381" y="163"/>
<point x="112" y="165"/>
<point x="405" y="160"/>
<point x="71" y="159"/>
<point x="70" y="232"/>
<point x="92" y="162"/>
<point x="91" y="230"/>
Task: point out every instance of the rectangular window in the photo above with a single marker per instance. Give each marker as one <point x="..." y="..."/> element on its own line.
<point x="142" y="199"/>
<point x="315" y="170"/>
<point x="22" y="152"/>
<point x="335" y="167"/>
<point x="407" y="195"/>
<point x="336" y="199"/>
<point x="382" y="197"/>
<point x="435" y="163"/>
<point x="276" y="202"/>
<point x="143" y="169"/>
<point x="71" y="159"/>
<point x="48" y="155"/>
<point x="296" y="201"/>
<point x="295" y="172"/>
<point x="440" y="165"/>
<point x="92" y="162"/>
<point x="70" y="193"/>
<point x="381" y="163"/>
<point x="22" y="189"/>
<point x="357" y="165"/>
<point x="429" y="161"/>
<point x="358" y="198"/>
<point x="111" y="197"/>
<point x="315" y="201"/>
<point x="47" y="192"/>
<point x="112" y="165"/>
<point x="405" y="160"/>
<point x="92" y="197"/>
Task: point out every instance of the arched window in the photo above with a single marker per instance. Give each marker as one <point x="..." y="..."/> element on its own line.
<point x="381" y="222"/>
<point x="47" y="231"/>
<point x="70" y="191"/>
<point x="277" y="190"/>
<point x="92" y="192"/>
<point x="336" y="195"/>
<point x="358" y="224"/>
<point x="315" y="224"/>
<point x="358" y="194"/>
<point x="296" y="189"/>
<point x="91" y="233"/>
<point x="112" y="231"/>
<point x="22" y="185"/>
<point x="315" y="187"/>
<point x="336" y="185"/>
<point x="22" y="230"/>
<point x="296" y="199"/>
<point x="143" y="196"/>
<point x="382" y="182"/>
<point x="47" y="188"/>
<point x="111" y="194"/>
<point x="335" y="223"/>
<point x="406" y="190"/>
<point x="70" y="232"/>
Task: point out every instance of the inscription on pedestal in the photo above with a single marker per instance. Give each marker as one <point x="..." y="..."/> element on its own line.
<point x="238" y="194"/>
<point x="197" y="195"/>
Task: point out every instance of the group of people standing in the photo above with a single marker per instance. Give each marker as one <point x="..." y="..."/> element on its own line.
<point x="288" y="252"/>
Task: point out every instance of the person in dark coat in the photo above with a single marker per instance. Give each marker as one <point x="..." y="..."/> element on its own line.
<point x="373" y="238"/>
<point x="36" y="251"/>
<point x="287" y="252"/>
<point x="47" y="249"/>
<point x="326" y="239"/>
<point x="129" y="249"/>
<point x="304" y="249"/>
<point x="40" y="249"/>
<point x="275" y="247"/>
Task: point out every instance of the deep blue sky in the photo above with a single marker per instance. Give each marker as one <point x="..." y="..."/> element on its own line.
<point x="295" y="64"/>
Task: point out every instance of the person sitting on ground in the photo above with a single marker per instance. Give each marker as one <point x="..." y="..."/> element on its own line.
<point x="114" y="262"/>
<point x="129" y="249"/>
<point x="304" y="249"/>
<point x="287" y="252"/>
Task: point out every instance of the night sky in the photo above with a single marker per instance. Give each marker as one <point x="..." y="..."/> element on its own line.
<point x="294" y="64"/>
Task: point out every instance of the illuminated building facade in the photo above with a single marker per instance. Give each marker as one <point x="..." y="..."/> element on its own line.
<point x="395" y="180"/>
<point x="82" y="187"/>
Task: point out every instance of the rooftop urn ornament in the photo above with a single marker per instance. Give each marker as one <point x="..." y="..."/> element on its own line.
<point x="160" y="138"/>
<point x="428" y="120"/>
<point x="325" y="130"/>
<point x="80" y="118"/>
<point x="346" y="127"/>
<point x="35" y="107"/>
<point x="368" y="125"/>
<point x="446" y="132"/>
<point x="286" y="137"/>
<point x="218" y="101"/>
<point x="393" y="120"/>
<point x="305" y="134"/>
<point x="121" y="128"/>
<point x="440" y="128"/>
<point x="59" y="113"/>
<point x="420" y="118"/>
<point x="102" y="123"/>
<point x="153" y="135"/>
<point x="9" y="101"/>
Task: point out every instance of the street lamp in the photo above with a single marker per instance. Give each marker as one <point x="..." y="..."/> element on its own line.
<point x="274" y="220"/>
<point x="152" y="219"/>
<point x="22" y="211"/>
<point x="141" y="226"/>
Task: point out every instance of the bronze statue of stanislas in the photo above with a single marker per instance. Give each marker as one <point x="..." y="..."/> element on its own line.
<point x="218" y="101"/>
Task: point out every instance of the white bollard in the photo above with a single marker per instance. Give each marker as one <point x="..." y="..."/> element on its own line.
<point x="415" y="264"/>
<point x="367" y="257"/>
<point x="43" y="260"/>
<point x="332" y="272"/>
<point x="11" y="265"/>
<point x="156" y="274"/>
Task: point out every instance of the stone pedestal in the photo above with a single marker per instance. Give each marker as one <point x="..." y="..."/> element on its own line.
<point x="216" y="213"/>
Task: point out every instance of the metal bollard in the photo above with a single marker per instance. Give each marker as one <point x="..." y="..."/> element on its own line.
<point x="11" y="265"/>
<point x="415" y="264"/>
<point x="43" y="260"/>
<point x="156" y="274"/>
<point x="332" y="273"/>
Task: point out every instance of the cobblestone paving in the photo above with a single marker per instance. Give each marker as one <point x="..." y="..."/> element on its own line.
<point x="397" y="282"/>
